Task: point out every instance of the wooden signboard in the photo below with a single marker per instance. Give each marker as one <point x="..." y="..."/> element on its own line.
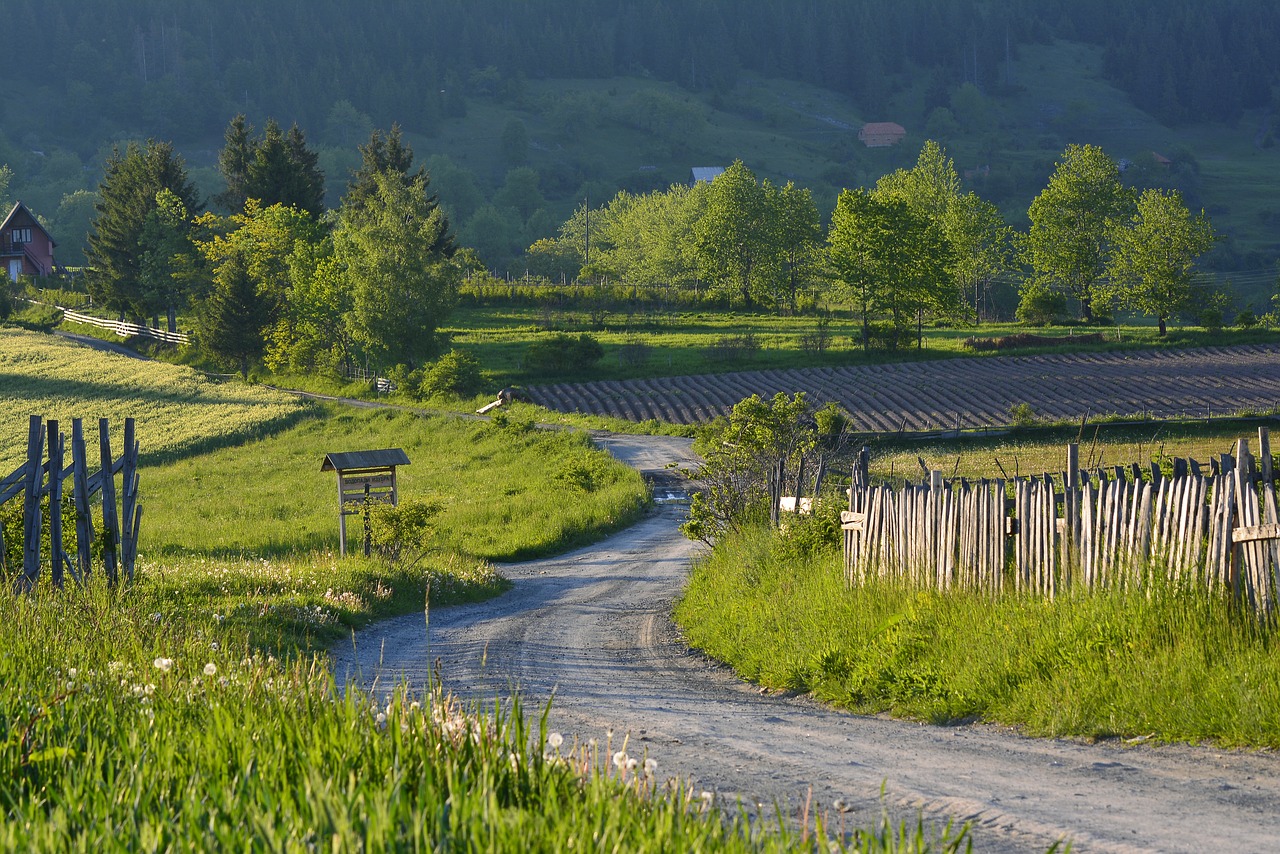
<point x="364" y="477"/>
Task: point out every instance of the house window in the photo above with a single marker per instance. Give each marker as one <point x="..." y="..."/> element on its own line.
<point x="22" y="235"/>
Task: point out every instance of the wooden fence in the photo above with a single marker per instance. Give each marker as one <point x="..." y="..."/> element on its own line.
<point x="1209" y="526"/>
<point x="40" y="478"/>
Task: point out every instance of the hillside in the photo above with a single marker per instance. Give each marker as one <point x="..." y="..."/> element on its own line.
<point x="596" y="97"/>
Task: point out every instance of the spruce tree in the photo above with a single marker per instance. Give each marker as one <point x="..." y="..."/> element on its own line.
<point x="131" y="183"/>
<point x="233" y="162"/>
<point x="391" y="156"/>
<point x="232" y="318"/>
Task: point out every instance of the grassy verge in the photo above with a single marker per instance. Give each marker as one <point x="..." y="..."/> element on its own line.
<point x="1115" y="664"/>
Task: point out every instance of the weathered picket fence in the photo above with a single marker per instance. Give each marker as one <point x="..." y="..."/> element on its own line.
<point x="1214" y="529"/>
<point x="39" y="478"/>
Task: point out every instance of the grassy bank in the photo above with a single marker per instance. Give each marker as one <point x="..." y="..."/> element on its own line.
<point x="1103" y="665"/>
<point x="132" y="722"/>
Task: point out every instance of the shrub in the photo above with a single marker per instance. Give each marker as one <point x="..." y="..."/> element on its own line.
<point x="1040" y="305"/>
<point x="734" y="348"/>
<point x="1022" y="415"/>
<point x="1211" y="319"/>
<point x="1246" y="319"/>
<point x="402" y="533"/>
<point x="455" y="373"/>
<point x="562" y="353"/>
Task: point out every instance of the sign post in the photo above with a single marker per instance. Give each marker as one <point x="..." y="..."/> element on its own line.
<point x="364" y="477"/>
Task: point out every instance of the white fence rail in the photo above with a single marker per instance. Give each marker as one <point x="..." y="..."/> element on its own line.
<point x="123" y="329"/>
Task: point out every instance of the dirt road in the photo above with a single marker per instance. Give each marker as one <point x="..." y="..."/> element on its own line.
<point x="593" y="626"/>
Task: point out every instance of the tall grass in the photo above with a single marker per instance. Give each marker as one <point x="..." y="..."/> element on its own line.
<point x="1179" y="667"/>
<point x="128" y="727"/>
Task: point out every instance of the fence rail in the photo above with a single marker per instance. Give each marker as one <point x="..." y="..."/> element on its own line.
<point x="1215" y="530"/>
<point x="123" y="329"/>
<point x="40" y="482"/>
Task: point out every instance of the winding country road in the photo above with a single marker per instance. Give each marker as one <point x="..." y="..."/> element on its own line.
<point x="593" y="627"/>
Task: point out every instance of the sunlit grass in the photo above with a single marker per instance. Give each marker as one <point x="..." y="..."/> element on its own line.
<point x="177" y="410"/>
<point x="1172" y="666"/>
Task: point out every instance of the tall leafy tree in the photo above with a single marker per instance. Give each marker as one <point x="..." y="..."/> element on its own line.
<point x="131" y="184"/>
<point x="798" y="236"/>
<point x="1066" y="245"/>
<point x="169" y="258"/>
<point x="734" y="236"/>
<point x="892" y="259"/>
<point x="1153" y="256"/>
<point x="979" y="238"/>
<point x="402" y="286"/>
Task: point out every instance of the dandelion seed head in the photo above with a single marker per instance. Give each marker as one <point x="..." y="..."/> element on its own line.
<point x="211" y="669"/>
<point x="620" y="759"/>
<point x="650" y="767"/>
<point x="164" y="665"/>
<point x="555" y="740"/>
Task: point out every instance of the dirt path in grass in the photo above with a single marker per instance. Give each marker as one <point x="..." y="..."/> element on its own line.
<point x="594" y="627"/>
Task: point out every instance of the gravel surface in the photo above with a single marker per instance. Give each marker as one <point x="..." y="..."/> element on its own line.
<point x="593" y="627"/>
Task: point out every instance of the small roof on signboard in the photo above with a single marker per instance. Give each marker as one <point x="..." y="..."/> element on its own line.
<point x="364" y="460"/>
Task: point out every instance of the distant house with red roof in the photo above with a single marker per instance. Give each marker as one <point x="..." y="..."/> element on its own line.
<point x="26" y="249"/>
<point x="1161" y="160"/>
<point x="882" y="134"/>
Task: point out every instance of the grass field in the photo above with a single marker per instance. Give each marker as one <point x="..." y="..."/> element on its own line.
<point x="178" y="410"/>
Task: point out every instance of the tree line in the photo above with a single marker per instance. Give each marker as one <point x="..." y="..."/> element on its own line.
<point x="280" y="278"/>
<point x="912" y="248"/>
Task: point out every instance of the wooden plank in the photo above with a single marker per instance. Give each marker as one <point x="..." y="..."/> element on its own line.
<point x="1256" y="533"/>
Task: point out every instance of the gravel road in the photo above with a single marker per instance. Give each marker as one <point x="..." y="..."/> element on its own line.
<point x="594" y="627"/>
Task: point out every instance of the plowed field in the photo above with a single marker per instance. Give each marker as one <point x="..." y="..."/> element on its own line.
<point x="963" y="393"/>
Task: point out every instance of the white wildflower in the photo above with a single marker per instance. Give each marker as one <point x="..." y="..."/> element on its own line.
<point x="211" y="669"/>
<point x="164" y="665"/>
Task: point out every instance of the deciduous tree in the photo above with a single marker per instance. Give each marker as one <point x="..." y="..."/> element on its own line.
<point x="1066" y="245"/>
<point x="402" y="286"/>
<point x="1153" y="256"/>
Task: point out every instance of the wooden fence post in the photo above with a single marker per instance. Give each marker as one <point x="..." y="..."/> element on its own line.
<point x="56" y="451"/>
<point x="110" y="521"/>
<point x="132" y="511"/>
<point x="31" y="504"/>
<point x="80" y="491"/>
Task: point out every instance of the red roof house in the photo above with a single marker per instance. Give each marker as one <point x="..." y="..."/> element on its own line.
<point x="881" y="134"/>
<point x="26" y="249"/>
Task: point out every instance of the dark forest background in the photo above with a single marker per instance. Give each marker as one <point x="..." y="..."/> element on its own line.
<point x="88" y="75"/>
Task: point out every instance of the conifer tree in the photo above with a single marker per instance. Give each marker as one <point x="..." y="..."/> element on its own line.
<point x="133" y="180"/>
